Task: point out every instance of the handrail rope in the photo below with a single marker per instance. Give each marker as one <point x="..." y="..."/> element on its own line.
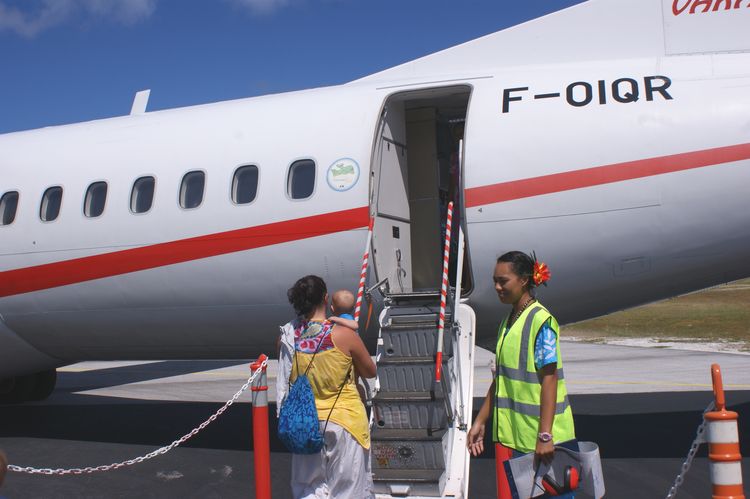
<point x="150" y="455"/>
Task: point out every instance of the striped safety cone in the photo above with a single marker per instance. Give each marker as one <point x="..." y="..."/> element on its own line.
<point x="723" y="445"/>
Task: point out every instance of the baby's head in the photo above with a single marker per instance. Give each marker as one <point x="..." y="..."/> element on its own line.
<point x="3" y="467"/>
<point x="342" y="302"/>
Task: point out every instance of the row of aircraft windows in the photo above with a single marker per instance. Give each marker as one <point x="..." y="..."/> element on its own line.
<point x="300" y="185"/>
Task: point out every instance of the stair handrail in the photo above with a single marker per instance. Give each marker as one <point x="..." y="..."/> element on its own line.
<point x="457" y="329"/>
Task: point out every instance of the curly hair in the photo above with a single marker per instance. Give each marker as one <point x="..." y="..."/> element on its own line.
<point x="307" y="294"/>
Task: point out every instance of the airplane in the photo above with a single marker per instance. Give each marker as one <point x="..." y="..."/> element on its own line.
<point x="612" y="138"/>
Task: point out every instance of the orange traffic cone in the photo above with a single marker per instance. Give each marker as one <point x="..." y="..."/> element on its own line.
<point x="724" y="445"/>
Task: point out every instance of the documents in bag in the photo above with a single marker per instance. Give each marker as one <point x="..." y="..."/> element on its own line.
<point x="526" y="480"/>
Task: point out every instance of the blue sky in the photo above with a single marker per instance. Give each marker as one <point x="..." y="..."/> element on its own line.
<point x="65" y="61"/>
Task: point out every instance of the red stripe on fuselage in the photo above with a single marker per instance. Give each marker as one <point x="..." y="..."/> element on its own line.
<point x="88" y="268"/>
<point x="24" y="280"/>
<point x="589" y="177"/>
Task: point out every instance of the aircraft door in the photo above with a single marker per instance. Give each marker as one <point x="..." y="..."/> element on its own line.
<point x="392" y="230"/>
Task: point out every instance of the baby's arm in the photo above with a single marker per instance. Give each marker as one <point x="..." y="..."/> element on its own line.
<point x="344" y="322"/>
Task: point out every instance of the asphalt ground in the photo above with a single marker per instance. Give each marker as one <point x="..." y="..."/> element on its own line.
<point x="109" y="412"/>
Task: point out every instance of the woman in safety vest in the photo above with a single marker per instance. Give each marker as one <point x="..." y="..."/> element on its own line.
<point x="527" y="398"/>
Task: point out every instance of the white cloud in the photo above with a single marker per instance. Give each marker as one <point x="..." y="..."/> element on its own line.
<point x="125" y="11"/>
<point x="41" y="15"/>
<point x="262" y="6"/>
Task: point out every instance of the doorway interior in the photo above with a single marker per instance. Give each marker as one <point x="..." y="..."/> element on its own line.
<point x="417" y="170"/>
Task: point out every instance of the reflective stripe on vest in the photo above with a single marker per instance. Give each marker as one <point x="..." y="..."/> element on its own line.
<point x="528" y="409"/>
<point x="523" y="373"/>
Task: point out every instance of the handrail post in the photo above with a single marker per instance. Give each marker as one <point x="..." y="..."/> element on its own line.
<point x="261" y="439"/>
<point x="443" y="294"/>
<point x="363" y="271"/>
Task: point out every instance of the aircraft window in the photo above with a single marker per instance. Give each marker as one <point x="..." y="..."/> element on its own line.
<point x="191" y="190"/>
<point x="96" y="198"/>
<point x="51" y="202"/>
<point x="301" y="182"/>
<point x="8" y="206"/>
<point x="142" y="196"/>
<point x="245" y="184"/>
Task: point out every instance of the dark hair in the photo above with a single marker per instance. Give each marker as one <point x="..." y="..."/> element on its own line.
<point x="521" y="263"/>
<point x="306" y="294"/>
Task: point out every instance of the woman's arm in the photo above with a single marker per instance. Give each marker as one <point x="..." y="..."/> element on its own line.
<point x="350" y="343"/>
<point x="475" y="439"/>
<point x="344" y="322"/>
<point x="548" y="374"/>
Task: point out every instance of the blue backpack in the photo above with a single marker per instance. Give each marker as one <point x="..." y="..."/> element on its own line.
<point x="299" y="428"/>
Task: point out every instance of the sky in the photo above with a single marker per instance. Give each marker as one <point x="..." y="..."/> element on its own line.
<point x="66" y="61"/>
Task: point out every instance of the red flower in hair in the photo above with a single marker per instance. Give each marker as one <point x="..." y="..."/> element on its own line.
<point x="541" y="273"/>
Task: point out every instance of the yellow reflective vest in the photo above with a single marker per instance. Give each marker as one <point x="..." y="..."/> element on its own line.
<point x="518" y="388"/>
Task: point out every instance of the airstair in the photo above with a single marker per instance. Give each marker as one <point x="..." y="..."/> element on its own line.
<point x="418" y="425"/>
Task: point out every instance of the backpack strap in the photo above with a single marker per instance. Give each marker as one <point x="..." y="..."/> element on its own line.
<point x="343" y="383"/>
<point x="320" y="344"/>
<point x="341" y="389"/>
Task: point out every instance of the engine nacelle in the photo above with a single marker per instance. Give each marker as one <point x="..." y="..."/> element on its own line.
<point x="20" y="358"/>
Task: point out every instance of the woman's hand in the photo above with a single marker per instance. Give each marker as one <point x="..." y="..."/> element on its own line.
<point x="475" y="440"/>
<point x="545" y="451"/>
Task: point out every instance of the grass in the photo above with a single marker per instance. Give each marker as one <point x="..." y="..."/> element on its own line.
<point x="718" y="314"/>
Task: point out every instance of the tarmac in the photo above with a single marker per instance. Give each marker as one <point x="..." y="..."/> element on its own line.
<point x="641" y="405"/>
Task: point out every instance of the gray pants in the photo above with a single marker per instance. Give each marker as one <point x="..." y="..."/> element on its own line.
<point x="341" y="470"/>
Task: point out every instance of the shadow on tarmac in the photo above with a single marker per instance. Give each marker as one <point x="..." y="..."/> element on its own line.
<point x="72" y="381"/>
<point x="624" y="426"/>
<point x="640" y="435"/>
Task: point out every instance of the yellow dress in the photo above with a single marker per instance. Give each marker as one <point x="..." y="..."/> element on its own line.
<point x="326" y="376"/>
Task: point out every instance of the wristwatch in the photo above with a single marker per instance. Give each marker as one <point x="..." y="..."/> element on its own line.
<point x="545" y="437"/>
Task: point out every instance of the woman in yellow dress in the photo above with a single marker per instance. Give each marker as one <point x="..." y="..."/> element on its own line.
<point x="342" y="468"/>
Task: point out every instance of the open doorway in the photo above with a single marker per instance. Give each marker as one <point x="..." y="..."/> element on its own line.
<point x="416" y="171"/>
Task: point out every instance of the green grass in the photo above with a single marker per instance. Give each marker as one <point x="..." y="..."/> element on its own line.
<point x="717" y="314"/>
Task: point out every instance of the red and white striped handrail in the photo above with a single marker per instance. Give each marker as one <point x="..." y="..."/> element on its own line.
<point x="363" y="272"/>
<point x="443" y="295"/>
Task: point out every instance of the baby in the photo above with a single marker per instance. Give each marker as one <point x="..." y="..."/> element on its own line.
<point x="342" y="307"/>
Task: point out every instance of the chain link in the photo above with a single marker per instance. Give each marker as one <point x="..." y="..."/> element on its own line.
<point x="699" y="439"/>
<point x="158" y="452"/>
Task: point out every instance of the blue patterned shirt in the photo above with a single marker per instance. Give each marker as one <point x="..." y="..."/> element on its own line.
<point x="545" y="348"/>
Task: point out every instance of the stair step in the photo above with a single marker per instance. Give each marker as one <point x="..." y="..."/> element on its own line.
<point x="416" y="483"/>
<point x="409" y="377"/>
<point x="397" y="413"/>
<point x="413" y="341"/>
<point x="386" y="360"/>
<point x="411" y="476"/>
<point x="412" y="296"/>
<point x="406" y="397"/>
<point x="418" y="450"/>
<point x="416" y="315"/>
<point x="410" y="435"/>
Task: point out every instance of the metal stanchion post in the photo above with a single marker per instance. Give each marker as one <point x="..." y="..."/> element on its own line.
<point x="261" y="441"/>
<point x="502" y="454"/>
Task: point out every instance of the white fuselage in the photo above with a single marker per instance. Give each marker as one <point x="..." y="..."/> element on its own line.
<point x="627" y="200"/>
